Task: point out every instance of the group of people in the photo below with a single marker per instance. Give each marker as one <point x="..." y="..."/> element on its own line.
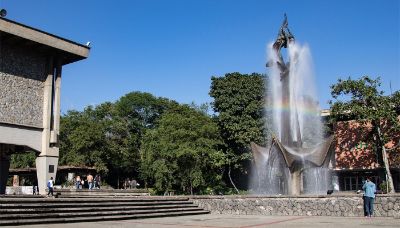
<point x="91" y="182"/>
<point x="130" y="184"/>
<point x="79" y="183"/>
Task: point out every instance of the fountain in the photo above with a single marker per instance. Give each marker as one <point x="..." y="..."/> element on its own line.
<point x="297" y="158"/>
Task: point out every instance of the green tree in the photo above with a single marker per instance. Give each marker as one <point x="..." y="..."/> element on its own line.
<point x="239" y="104"/>
<point x="121" y="137"/>
<point x="22" y="160"/>
<point x="143" y="108"/>
<point x="183" y="152"/>
<point x="362" y="100"/>
<point x="82" y="139"/>
<point x="138" y="112"/>
<point x="109" y="135"/>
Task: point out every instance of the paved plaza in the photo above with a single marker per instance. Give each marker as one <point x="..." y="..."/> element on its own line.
<point x="237" y="221"/>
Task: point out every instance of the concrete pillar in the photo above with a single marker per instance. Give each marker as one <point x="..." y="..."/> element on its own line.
<point x="4" y="167"/>
<point x="47" y="162"/>
<point x="57" y="105"/>
<point x="46" y="167"/>
<point x="47" y="107"/>
<point x="295" y="182"/>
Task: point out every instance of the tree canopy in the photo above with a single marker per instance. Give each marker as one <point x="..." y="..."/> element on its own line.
<point x="239" y="103"/>
<point x="362" y="100"/>
<point x="183" y="152"/>
<point x="108" y="136"/>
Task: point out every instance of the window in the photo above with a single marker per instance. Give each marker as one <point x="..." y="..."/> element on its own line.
<point x="350" y="183"/>
<point x="354" y="183"/>
<point x="51" y="168"/>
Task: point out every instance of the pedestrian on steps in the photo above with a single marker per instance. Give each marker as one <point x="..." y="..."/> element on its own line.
<point x="50" y="186"/>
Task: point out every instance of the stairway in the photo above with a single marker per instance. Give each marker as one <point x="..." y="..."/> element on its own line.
<point x="39" y="210"/>
<point x="95" y="193"/>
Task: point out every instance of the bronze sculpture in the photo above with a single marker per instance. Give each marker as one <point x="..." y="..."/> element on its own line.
<point x="282" y="41"/>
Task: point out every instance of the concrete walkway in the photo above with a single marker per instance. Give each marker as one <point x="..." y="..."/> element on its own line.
<point x="236" y="221"/>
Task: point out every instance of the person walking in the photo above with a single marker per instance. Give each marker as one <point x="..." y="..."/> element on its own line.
<point x="78" y="182"/>
<point x="126" y="183"/>
<point x="35" y="188"/>
<point x="89" y="179"/>
<point x="133" y="184"/>
<point x="50" y="186"/>
<point x="369" y="196"/>
<point x="97" y="180"/>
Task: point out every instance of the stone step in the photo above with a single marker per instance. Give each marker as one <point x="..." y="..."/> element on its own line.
<point x="113" y="191"/>
<point x="97" y="199"/>
<point x="89" y="214"/>
<point x="87" y="204"/>
<point x="36" y="210"/>
<point x="83" y="209"/>
<point x="15" y="222"/>
<point x="96" y="195"/>
<point x="20" y="196"/>
<point x="92" y="199"/>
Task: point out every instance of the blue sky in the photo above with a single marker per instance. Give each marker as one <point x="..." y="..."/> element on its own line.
<point x="171" y="48"/>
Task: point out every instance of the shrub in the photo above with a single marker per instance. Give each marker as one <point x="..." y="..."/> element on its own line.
<point x="385" y="188"/>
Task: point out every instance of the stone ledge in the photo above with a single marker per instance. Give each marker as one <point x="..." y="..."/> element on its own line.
<point x="338" y="195"/>
<point x="333" y="205"/>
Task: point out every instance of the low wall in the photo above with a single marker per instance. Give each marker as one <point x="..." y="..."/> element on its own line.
<point x="20" y="190"/>
<point x="335" y="205"/>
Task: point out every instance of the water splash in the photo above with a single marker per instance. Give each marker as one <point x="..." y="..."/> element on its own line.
<point x="271" y="174"/>
<point x="302" y="105"/>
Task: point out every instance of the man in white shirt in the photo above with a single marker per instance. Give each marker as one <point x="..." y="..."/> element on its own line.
<point x="50" y="185"/>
